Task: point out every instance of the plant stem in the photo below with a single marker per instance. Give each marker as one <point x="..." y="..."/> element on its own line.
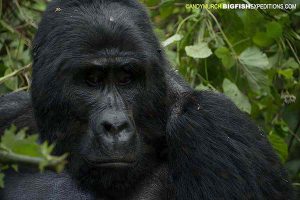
<point x="10" y="157"/>
<point x="8" y="76"/>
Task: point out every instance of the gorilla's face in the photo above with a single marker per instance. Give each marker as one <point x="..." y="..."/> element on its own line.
<point x="99" y="91"/>
<point x="114" y="119"/>
<point x="105" y="94"/>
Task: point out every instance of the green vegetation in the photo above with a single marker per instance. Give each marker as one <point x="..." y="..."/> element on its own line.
<point x="16" y="147"/>
<point x="250" y="55"/>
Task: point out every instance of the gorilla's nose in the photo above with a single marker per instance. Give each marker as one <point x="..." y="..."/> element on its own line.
<point x="115" y="124"/>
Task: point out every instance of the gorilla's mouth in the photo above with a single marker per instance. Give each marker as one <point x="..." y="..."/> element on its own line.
<point x="111" y="163"/>
<point x="116" y="164"/>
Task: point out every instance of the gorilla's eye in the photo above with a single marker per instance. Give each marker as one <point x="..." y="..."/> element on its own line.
<point x="124" y="78"/>
<point x="93" y="79"/>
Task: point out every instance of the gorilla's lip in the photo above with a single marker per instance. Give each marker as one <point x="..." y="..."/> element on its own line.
<point x="114" y="163"/>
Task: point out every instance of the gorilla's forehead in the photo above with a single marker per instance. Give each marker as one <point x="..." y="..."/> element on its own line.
<point x="100" y="25"/>
<point x="74" y="30"/>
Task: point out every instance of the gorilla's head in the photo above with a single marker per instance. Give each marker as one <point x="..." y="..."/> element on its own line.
<point x="99" y="89"/>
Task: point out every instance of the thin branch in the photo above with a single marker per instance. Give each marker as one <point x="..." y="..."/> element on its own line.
<point x="294" y="135"/>
<point x="8" y="76"/>
<point x="22" y="88"/>
<point x="10" y="157"/>
<point x="294" y="52"/>
<point x="222" y="32"/>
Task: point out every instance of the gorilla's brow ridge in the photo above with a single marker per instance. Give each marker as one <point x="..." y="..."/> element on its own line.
<point x="115" y="60"/>
<point x="104" y="61"/>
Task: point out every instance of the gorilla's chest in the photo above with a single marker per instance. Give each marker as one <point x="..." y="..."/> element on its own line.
<point x="156" y="187"/>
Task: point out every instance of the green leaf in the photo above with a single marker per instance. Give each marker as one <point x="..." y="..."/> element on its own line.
<point x="166" y="8"/>
<point x="291" y="63"/>
<point x="287" y="73"/>
<point x="273" y="60"/>
<point x="19" y="144"/>
<point x="152" y="2"/>
<point x="274" y="30"/>
<point x="16" y="147"/>
<point x="252" y="56"/>
<point x="203" y="87"/>
<point x="233" y="92"/>
<point x="252" y="21"/>
<point x="224" y="54"/>
<point x="257" y="79"/>
<point x="254" y="63"/>
<point x="279" y="145"/>
<point x="293" y="166"/>
<point x="39" y="5"/>
<point x="171" y="56"/>
<point x="200" y="50"/>
<point x="7" y="26"/>
<point x="170" y="40"/>
<point x="262" y="39"/>
<point x="15" y="167"/>
<point x="11" y="83"/>
<point x="1" y="180"/>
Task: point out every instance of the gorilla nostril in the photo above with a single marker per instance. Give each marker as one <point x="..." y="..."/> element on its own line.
<point x="123" y="126"/>
<point x="114" y="128"/>
<point x="108" y="127"/>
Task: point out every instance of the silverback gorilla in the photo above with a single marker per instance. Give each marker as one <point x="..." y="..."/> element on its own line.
<point x="103" y="91"/>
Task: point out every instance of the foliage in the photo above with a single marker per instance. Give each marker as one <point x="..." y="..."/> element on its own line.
<point x="250" y="55"/>
<point x="16" y="147"/>
<point x="18" y="22"/>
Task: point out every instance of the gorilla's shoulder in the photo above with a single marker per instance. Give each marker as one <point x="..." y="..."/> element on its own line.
<point x="14" y="100"/>
<point x="15" y="108"/>
<point x="206" y="100"/>
<point x="217" y="99"/>
<point x="217" y="112"/>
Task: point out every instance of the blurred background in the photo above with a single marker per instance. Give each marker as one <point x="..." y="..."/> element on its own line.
<point x="252" y="56"/>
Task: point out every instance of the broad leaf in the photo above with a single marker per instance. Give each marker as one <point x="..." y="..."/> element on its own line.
<point x="252" y="56"/>
<point x="257" y="78"/>
<point x="170" y="40"/>
<point x="224" y="54"/>
<point x="200" y="50"/>
<point x="262" y="39"/>
<point x="291" y="63"/>
<point x="16" y="147"/>
<point x="19" y="144"/>
<point x="274" y="30"/>
<point x="166" y="8"/>
<point x="279" y="145"/>
<point x="233" y="92"/>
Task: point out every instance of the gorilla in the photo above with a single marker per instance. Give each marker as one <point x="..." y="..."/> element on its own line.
<point x="103" y="91"/>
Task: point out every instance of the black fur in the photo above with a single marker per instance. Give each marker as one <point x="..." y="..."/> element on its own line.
<point x="187" y="145"/>
<point x="216" y="150"/>
<point x="15" y="108"/>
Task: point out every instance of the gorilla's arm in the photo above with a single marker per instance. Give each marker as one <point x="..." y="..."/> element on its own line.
<point x="46" y="185"/>
<point x="52" y="186"/>
<point x="216" y="152"/>
<point x="16" y="108"/>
